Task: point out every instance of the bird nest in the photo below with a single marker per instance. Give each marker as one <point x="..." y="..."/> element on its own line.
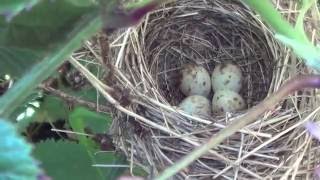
<point x="154" y="133"/>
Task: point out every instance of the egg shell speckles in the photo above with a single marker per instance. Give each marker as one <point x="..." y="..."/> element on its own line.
<point x="196" y="105"/>
<point x="226" y="76"/>
<point x="227" y="101"/>
<point x="195" y="80"/>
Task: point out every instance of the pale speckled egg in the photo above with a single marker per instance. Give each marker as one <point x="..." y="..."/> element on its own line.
<point x="227" y="101"/>
<point x="226" y="76"/>
<point x="196" y="105"/>
<point x="195" y="80"/>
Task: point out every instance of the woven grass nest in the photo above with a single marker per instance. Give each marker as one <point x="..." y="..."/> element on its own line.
<point x="154" y="133"/>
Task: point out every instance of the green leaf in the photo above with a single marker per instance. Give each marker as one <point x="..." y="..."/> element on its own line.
<point x="305" y="50"/>
<point x="22" y="111"/>
<point x="15" y="160"/>
<point x="295" y="37"/>
<point x="50" y="30"/>
<point x="15" y="61"/>
<point x="16" y="95"/>
<point x="82" y="3"/>
<point x="65" y="160"/>
<point x="30" y="35"/>
<point x="10" y="8"/>
<point x="50" y="110"/>
<point x="81" y="118"/>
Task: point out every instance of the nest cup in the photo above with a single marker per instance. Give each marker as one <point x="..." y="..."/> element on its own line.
<point x="152" y="132"/>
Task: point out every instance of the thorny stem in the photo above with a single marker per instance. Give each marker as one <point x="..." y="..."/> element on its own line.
<point x="297" y="83"/>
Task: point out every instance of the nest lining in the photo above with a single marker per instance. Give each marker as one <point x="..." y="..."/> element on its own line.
<point x="156" y="134"/>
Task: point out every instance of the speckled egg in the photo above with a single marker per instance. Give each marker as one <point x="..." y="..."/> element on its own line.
<point x="227" y="101"/>
<point x="196" y="105"/>
<point x="226" y="76"/>
<point x="195" y="80"/>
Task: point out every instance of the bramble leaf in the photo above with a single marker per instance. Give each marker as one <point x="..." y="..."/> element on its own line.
<point x="66" y="160"/>
<point x="10" y="8"/>
<point x="15" y="160"/>
<point x="27" y="38"/>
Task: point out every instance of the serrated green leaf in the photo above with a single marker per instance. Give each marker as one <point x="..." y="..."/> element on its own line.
<point x="50" y="110"/>
<point x="15" y="160"/>
<point x="81" y="118"/>
<point x="65" y="160"/>
<point x="22" y="109"/>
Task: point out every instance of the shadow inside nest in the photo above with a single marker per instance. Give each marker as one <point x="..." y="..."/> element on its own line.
<point x="207" y="38"/>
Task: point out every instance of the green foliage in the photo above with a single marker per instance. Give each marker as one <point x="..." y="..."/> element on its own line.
<point x="30" y="35"/>
<point x="302" y="49"/>
<point x="41" y="71"/>
<point x="52" y="38"/>
<point x="50" y="110"/>
<point x="80" y="119"/>
<point x="293" y="36"/>
<point x="15" y="160"/>
<point x="15" y="61"/>
<point x="10" y="8"/>
<point x="88" y="93"/>
<point x="67" y="160"/>
<point x="33" y="44"/>
<point x="82" y="3"/>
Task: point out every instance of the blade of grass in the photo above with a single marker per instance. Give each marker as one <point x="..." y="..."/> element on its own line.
<point x="306" y="5"/>
<point x="267" y="11"/>
<point x="289" y="33"/>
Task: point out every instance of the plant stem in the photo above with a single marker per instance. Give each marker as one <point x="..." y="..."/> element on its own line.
<point x="17" y="94"/>
<point x="73" y="99"/>
<point x="297" y="83"/>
